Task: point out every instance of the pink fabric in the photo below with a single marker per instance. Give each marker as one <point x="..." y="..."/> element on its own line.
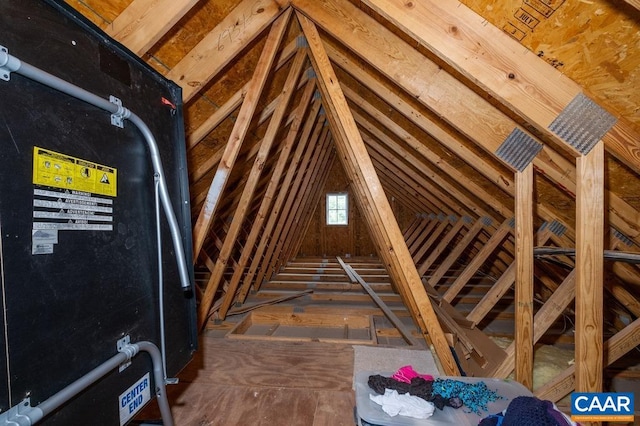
<point x="406" y="373"/>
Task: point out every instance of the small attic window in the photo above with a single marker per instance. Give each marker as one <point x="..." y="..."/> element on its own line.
<point x="337" y="208"/>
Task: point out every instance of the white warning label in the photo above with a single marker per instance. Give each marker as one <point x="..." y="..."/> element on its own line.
<point x="134" y="398"/>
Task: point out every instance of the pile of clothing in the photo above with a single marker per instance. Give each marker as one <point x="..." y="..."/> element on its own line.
<point x="410" y="394"/>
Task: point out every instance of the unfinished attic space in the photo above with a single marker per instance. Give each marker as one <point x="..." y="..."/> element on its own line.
<point x="262" y="204"/>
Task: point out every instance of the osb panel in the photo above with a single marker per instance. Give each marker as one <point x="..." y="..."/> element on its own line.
<point x="191" y="29"/>
<point x="100" y="12"/>
<point x="596" y="43"/>
<point x="622" y="181"/>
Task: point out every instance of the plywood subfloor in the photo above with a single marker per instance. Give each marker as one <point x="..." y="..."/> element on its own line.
<point x="232" y="382"/>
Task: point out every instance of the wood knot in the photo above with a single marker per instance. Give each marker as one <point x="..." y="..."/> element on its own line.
<point x="409" y="4"/>
<point x="260" y="10"/>
<point x="453" y="29"/>
<point x="511" y="76"/>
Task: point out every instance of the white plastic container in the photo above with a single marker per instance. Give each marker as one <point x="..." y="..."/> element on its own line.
<point x="372" y="413"/>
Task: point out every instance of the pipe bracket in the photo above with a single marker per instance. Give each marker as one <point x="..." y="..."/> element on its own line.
<point x="18" y="415"/>
<point x="118" y="117"/>
<point x="8" y="64"/>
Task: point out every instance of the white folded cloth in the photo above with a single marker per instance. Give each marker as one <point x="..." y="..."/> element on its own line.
<point x="405" y="405"/>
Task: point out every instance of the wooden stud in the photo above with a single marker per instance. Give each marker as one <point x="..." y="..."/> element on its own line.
<point x="506" y="280"/>
<point x="614" y="348"/>
<point x="524" y="277"/>
<point x="543" y="320"/>
<point x="590" y="270"/>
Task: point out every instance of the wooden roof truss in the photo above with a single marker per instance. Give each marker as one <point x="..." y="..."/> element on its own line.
<point x="459" y="89"/>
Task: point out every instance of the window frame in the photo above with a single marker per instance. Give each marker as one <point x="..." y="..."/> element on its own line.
<point x="345" y="209"/>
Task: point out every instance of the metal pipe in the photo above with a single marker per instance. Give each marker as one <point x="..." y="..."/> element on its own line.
<point x="32" y="415"/>
<point x="160" y="280"/>
<point x="614" y="255"/>
<point x="11" y="63"/>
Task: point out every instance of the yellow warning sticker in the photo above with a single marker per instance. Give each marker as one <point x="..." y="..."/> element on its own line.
<point x="57" y="170"/>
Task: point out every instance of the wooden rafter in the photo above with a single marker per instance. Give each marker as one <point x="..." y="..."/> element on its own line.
<point x="294" y="204"/>
<point x="455" y="254"/>
<point x="234" y="102"/>
<point x="144" y="22"/>
<point x="506" y="280"/>
<point x="253" y="178"/>
<point x="233" y="146"/>
<point x="354" y="156"/>
<point x="308" y="197"/>
<point x="301" y="161"/>
<point x="266" y="198"/>
<point x="447" y="97"/>
<point x="498" y="64"/>
<point x="219" y="47"/>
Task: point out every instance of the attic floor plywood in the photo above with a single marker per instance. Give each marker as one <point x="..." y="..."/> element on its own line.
<point x="232" y="382"/>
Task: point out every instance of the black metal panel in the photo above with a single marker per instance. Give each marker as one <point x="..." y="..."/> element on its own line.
<point x="65" y="310"/>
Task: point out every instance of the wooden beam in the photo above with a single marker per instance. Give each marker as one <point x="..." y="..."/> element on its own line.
<point x="252" y="182"/>
<point x="499" y="65"/>
<point x="524" y="277"/>
<point x="424" y="231"/>
<point x="239" y="131"/>
<point x="221" y="114"/>
<point x="297" y="198"/>
<point x="144" y="22"/>
<point x="616" y="347"/>
<point x="422" y="150"/>
<point x="506" y="280"/>
<point x="231" y="151"/>
<point x="205" y="166"/>
<point x="265" y="204"/>
<point x="360" y="170"/>
<point x="439" y="189"/>
<point x="311" y="199"/>
<point x="446" y="264"/>
<point x="442" y="245"/>
<point x="300" y="161"/>
<point x="433" y="237"/>
<point x="404" y="331"/>
<point x="590" y="271"/>
<point x="543" y="320"/>
<point x="450" y="99"/>
<point x="221" y="46"/>
<point x="634" y="3"/>
<point x="478" y="260"/>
